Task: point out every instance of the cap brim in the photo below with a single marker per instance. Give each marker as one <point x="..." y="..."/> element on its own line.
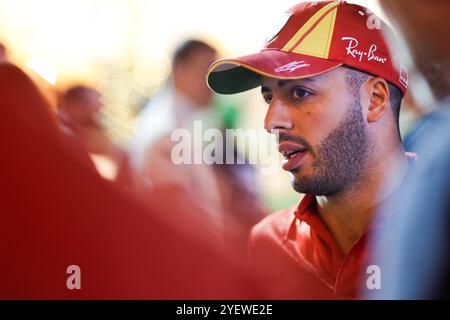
<point x="228" y="76"/>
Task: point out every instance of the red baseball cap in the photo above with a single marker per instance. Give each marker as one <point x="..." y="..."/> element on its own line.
<point x="315" y="37"/>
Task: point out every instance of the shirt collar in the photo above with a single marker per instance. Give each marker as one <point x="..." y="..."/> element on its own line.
<point x="307" y="212"/>
<point x="299" y="214"/>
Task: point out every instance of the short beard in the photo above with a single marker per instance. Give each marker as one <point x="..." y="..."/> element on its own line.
<point x="341" y="157"/>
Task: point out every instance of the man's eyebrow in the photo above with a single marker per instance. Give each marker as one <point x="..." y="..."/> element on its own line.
<point x="283" y="82"/>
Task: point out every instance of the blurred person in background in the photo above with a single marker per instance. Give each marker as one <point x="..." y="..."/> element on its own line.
<point x="219" y="195"/>
<point x="411" y="114"/>
<point x="413" y="249"/>
<point x="66" y="233"/>
<point x="3" y="55"/>
<point x="238" y="189"/>
<point x="79" y="112"/>
<point x="333" y="94"/>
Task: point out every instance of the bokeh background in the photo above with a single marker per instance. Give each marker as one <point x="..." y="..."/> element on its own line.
<point x="123" y="48"/>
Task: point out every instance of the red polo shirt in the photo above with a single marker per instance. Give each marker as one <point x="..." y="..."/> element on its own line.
<point x="295" y="254"/>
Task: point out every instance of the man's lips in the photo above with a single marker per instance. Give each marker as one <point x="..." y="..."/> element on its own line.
<point x="293" y="153"/>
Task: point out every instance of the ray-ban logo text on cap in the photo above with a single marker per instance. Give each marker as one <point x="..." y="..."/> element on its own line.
<point x="353" y="50"/>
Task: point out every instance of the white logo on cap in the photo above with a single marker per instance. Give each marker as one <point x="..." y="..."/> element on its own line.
<point x="292" y="66"/>
<point x="370" y="55"/>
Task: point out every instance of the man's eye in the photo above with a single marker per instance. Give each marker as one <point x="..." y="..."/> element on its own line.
<point x="268" y="98"/>
<point x="300" y="93"/>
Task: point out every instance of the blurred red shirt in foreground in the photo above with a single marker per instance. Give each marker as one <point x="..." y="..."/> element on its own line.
<point x="57" y="212"/>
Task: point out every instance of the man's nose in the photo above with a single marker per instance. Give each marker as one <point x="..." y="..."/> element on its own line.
<point x="278" y="117"/>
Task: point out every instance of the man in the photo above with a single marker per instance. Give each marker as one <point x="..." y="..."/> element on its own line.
<point x="78" y="113"/>
<point x="333" y="95"/>
<point x="413" y="254"/>
<point x="185" y="100"/>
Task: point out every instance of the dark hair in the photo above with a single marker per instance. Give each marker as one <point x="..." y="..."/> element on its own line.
<point x="185" y="51"/>
<point x="356" y="78"/>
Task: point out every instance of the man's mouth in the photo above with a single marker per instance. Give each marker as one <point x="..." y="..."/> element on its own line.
<point x="293" y="154"/>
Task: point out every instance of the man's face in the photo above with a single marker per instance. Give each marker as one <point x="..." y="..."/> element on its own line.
<point x="86" y="108"/>
<point x="191" y="76"/>
<point x="322" y="130"/>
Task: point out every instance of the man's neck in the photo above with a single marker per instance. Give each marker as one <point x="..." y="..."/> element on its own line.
<point x="349" y="214"/>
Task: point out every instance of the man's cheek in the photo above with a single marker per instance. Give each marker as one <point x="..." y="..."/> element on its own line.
<point x="313" y="126"/>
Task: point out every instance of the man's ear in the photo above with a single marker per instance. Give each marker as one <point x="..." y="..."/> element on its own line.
<point x="379" y="98"/>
